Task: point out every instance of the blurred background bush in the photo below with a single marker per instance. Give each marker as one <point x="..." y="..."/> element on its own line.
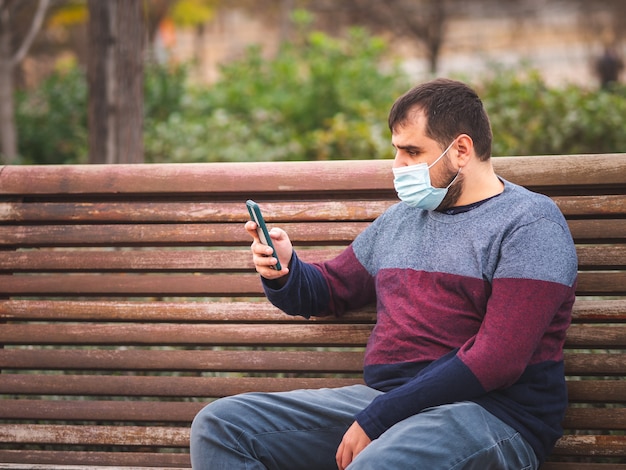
<point x="320" y="97"/>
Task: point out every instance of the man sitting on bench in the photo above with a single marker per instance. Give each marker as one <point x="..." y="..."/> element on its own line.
<point x="473" y="278"/>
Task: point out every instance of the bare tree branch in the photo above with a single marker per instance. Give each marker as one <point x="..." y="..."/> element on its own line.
<point x="32" y="33"/>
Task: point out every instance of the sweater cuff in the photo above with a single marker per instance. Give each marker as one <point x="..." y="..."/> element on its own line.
<point x="444" y="381"/>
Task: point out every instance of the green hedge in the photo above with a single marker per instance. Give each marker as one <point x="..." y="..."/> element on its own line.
<point x="320" y="98"/>
<point x="52" y="120"/>
<point x="530" y="118"/>
<point x="323" y="98"/>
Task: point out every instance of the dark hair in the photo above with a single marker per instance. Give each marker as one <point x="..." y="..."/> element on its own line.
<point x="451" y="108"/>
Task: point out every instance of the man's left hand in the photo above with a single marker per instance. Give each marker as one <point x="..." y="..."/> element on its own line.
<point x="353" y="442"/>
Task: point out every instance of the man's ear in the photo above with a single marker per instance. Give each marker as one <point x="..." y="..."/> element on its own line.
<point x="465" y="149"/>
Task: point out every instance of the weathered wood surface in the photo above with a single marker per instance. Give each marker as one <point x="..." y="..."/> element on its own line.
<point x="368" y="176"/>
<point x="128" y="301"/>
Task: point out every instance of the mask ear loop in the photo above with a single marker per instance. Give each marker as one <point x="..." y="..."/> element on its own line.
<point x="441" y="156"/>
<point x="454" y="179"/>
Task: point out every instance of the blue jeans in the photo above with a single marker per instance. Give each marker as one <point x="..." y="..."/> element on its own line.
<point x="302" y="430"/>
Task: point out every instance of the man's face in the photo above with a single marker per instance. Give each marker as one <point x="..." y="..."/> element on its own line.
<point x="412" y="146"/>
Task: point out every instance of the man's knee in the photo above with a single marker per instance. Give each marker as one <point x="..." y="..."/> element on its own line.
<point x="220" y="415"/>
<point x="217" y="439"/>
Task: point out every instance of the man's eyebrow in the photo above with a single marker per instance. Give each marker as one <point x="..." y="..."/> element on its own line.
<point x="409" y="148"/>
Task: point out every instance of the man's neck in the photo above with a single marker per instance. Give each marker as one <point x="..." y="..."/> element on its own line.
<point x="480" y="183"/>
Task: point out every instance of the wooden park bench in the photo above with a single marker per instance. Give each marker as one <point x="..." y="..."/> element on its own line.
<point x="128" y="300"/>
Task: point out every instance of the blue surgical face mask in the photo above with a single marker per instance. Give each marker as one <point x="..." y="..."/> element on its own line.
<point x="413" y="186"/>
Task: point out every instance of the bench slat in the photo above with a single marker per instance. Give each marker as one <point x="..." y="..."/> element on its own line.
<point x="313" y="334"/>
<point x="563" y="170"/>
<point x="599" y="205"/>
<point x="581" y="391"/>
<point x="123" y="235"/>
<point x="595" y="364"/>
<point x="184" y="412"/>
<point x="550" y="465"/>
<point x="76" y="460"/>
<point x="168" y="234"/>
<point x="283" y="177"/>
<point x="92" y="460"/>
<point x="95" y="435"/>
<point x="243" y="284"/>
<point x="589" y="231"/>
<point x="595" y="418"/>
<point x="91" y="260"/>
<point x="581" y="466"/>
<point x="609" y="311"/>
<point x="298" y="334"/>
<point x="582" y="364"/>
<point x="598" y="230"/>
<point x="126" y="261"/>
<point x="275" y="212"/>
<point x="601" y="256"/>
<point x="596" y="391"/>
<point x="106" y="411"/>
<point x="214" y="179"/>
<point x="132" y="285"/>
<point x="601" y="283"/>
<point x="592" y="445"/>
<point x="587" y="311"/>
<point x="612" y="446"/>
<point x="596" y="336"/>
<point x="196" y="360"/>
<point x="179" y="312"/>
<point x="160" y="260"/>
<point x="187" y="212"/>
<point x="158" y="386"/>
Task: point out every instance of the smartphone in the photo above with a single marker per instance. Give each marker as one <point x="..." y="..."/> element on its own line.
<point x="261" y="229"/>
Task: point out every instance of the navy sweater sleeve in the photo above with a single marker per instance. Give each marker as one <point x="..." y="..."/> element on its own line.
<point x="305" y="293"/>
<point x="446" y="380"/>
<point x="328" y="288"/>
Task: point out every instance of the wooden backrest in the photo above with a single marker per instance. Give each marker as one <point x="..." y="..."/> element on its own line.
<point x="128" y="299"/>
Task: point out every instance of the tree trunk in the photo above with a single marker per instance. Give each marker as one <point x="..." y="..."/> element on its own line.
<point x="8" y="134"/>
<point x="129" y="58"/>
<point x="435" y="33"/>
<point x="100" y="61"/>
<point x="115" y="76"/>
<point x="8" y="62"/>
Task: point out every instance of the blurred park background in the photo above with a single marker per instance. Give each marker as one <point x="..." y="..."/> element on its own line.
<point x="157" y="81"/>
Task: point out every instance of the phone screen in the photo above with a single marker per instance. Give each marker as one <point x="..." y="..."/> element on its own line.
<point x="255" y="214"/>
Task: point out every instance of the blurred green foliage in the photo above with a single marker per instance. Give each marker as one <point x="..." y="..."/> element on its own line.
<point x="530" y="118"/>
<point x="52" y="120"/>
<point x="319" y="98"/>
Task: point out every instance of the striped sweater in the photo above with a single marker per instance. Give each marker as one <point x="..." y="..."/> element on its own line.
<point x="471" y="306"/>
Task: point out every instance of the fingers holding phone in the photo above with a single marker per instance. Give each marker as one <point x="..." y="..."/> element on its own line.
<point x="271" y="250"/>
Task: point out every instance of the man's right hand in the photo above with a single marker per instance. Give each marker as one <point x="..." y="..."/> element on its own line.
<point x="262" y="254"/>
